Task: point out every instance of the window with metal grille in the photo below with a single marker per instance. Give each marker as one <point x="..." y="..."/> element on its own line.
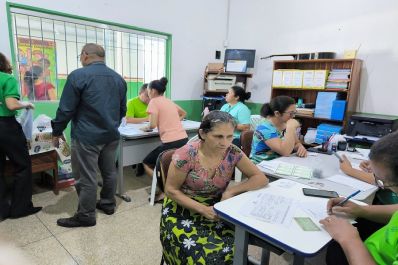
<point x="47" y="46"/>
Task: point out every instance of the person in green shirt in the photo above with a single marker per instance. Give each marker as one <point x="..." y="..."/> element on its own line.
<point x="382" y="246"/>
<point x="13" y="145"/>
<point x="136" y="107"/>
<point x="136" y="113"/>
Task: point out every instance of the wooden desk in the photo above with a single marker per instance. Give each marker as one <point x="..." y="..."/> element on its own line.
<point x="40" y="162"/>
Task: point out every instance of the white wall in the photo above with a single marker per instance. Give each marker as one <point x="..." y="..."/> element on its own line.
<point x="290" y="26"/>
<point x="198" y="29"/>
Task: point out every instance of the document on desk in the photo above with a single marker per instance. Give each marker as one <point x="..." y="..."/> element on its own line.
<point x="128" y="131"/>
<point x="294" y="170"/>
<point x="351" y="182"/>
<point x="269" y="165"/>
<point x="270" y="208"/>
<point x="317" y="210"/>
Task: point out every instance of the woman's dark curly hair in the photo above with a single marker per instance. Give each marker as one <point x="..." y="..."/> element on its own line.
<point x="5" y="65"/>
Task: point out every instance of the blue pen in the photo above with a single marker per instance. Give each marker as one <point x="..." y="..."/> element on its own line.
<point x="349" y="197"/>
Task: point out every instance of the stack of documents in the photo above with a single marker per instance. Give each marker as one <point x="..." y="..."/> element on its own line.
<point x="305" y="112"/>
<point x="338" y="79"/>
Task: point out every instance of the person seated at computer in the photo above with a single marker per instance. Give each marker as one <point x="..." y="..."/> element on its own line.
<point x="235" y="106"/>
<point x="276" y="135"/>
<point x="137" y="107"/>
<point x="382" y="246"/>
<point x="198" y="177"/>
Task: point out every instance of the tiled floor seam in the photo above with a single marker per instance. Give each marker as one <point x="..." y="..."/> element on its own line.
<point x="55" y="237"/>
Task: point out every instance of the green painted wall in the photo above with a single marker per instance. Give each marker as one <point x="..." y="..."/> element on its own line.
<point x="192" y="107"/>
<point x="254" y="107"/>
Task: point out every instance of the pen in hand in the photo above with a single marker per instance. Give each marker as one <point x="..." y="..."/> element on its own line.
<point x="348" y="197"/>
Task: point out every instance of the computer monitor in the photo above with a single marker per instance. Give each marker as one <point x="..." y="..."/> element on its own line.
<point x="240" y="54"/>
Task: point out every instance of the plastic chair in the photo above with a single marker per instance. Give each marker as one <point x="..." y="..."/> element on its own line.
<point x="246" y="138"/>
<point x="162" y="168"/>
<point x="160" y="172"/>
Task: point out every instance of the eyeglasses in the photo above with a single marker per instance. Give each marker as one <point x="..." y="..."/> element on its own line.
<point x="291" y="113"/>
<point x="380" y="184"/>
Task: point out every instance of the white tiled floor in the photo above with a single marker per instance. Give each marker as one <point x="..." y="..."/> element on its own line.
<point x="130" y="236"/>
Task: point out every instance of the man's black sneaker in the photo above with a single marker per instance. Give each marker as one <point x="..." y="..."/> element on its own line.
<point x="106" y="210"/>
<point x="74" y="221"/>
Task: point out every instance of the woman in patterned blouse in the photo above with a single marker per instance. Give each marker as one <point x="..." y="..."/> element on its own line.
<point x="190" y="230"/>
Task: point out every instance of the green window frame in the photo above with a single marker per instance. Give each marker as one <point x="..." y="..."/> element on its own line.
<point x="139" y="55"/>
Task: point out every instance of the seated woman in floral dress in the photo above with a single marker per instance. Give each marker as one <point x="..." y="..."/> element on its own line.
<point x="198" y="177"/>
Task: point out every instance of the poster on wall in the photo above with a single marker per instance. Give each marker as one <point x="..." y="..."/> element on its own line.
<point x="37" y="69"/>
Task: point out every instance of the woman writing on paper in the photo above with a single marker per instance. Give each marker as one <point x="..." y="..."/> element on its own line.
<point x="382" y="246"/>
<point x="198" y="177"/>
<point x="235" y="106"/>
<point x="276" y="135"/>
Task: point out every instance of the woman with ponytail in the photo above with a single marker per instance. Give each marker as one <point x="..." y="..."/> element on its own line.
<point x="276" y="135"/>
<point x="235" y="106"/>
<point x="165" y="115"/>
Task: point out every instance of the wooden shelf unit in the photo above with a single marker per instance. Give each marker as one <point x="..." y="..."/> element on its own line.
<point x="309" y="95"/>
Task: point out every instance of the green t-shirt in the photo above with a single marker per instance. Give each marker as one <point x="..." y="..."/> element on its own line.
<point x="383" y="244"/>
<point x="136" y="108"/>
<point x="8" y="89"/>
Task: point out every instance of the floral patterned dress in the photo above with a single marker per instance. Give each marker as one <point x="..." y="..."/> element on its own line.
<point x="186" y="236"/>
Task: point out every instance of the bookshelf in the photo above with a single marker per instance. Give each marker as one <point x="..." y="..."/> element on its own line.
<point x="309" y="95"/>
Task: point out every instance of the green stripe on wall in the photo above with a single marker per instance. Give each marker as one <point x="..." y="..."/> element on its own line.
<point x="254" y="107"/>
<point x="192" y="107"/>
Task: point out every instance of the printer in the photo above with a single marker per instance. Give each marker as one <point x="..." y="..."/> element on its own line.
<point x="220" y="82"/>
<point x="373" y="125"/>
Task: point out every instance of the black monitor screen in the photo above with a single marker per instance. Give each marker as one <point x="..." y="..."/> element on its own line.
<point x="240" y="54"/>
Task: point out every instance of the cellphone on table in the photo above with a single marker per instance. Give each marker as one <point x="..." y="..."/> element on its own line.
<point x="320" y="193"/>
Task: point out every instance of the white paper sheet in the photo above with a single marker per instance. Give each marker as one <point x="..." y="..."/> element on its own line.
<point x="351" y="182"/>
<point x="270" y="165"/>
<point x="315" y="209"/>
<point x="270" y="208"/>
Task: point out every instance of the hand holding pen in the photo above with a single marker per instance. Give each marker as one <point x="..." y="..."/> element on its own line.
<point x="348" y="197"/>
<point x="344" y="205"/>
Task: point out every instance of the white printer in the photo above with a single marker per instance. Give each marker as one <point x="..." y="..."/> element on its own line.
<point x="220" y="82"/>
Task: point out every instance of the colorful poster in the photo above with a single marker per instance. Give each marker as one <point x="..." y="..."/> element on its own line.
<point x="37" y="69"/>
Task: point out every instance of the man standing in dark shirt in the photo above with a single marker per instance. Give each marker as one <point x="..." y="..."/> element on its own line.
<point x="94" y="98"/>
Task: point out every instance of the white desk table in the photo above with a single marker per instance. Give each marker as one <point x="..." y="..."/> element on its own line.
<point x="329" y="166"/>
<point x="290" y="238"/>
<point x="135" y="145"/>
